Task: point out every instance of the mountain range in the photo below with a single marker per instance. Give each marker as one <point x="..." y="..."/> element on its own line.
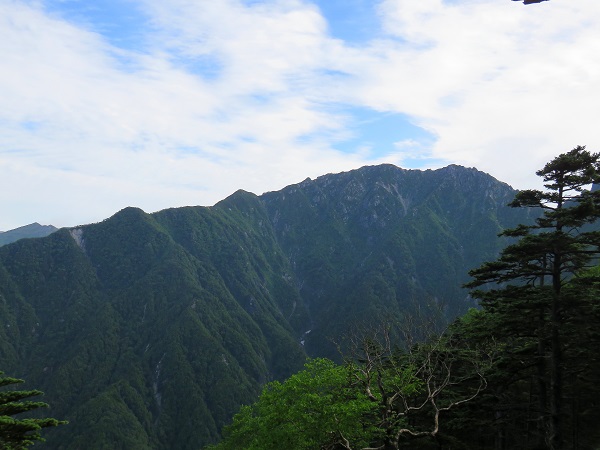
<point x="150" y="330"/>
<point x="33" y="230"/>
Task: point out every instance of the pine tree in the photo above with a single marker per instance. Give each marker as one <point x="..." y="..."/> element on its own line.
<point x="533" y="301"/>
<point x="19" y="433"/>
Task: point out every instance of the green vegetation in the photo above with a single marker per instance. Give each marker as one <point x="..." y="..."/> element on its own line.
<point x="381" y="398"/>
<point x="519" y="373"/>
<point x="33" y="230"/>
<point x="382" y="242"/>
<point x="19" y="433"/>
<point x="133" y="331"/>
<point x="313" y="407"/>
<point x="545" y="306"/>
<point x="150" y="330"/>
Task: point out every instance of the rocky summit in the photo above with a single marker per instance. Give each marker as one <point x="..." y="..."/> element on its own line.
<point x="150" y="330"/>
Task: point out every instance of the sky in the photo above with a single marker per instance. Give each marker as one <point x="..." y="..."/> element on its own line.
<point x="106" y="104"/>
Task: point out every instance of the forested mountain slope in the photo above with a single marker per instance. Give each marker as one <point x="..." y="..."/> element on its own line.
<point x="33" y="230"/>
<point x="149" y="330"/>
<point x="380" y="242"/>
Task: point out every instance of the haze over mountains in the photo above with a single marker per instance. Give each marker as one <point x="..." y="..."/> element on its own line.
<point x="32" y="230"/>
<point x="150" y="330"/>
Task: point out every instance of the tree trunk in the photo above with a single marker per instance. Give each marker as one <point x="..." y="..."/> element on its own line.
<point x="556" y="438"/>
<point x="542" y="422"/>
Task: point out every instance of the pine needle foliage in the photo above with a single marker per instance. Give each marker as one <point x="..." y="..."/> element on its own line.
<point x="19" y="433"/>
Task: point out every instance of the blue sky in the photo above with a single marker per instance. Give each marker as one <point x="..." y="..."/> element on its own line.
<point x="157" y="104"/>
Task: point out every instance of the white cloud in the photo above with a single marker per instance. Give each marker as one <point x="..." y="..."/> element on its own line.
<point x="229" y="94"/>
<point x="504" y="89"/>
<point x="143" y="130"/>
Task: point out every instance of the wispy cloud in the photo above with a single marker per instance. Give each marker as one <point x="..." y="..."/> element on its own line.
<point x="220" y="95"/>
<point x="502" y="88"/>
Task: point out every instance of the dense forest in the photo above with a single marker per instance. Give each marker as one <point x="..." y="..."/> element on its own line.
<point x="152" y="330"/>
<point x="519" y="373"/>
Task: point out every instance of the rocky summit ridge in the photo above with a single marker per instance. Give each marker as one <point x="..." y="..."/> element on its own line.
<point x="150" y="330"/>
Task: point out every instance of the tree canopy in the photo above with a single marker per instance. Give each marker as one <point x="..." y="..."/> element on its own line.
<point x="542" y="280"/>
<point x="19" y="433"/>
<point x="313" y="408"/>
<point x="382" y="398"/>
<point x="518" y="373"/>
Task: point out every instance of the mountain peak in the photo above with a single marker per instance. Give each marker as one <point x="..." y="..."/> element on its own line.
<point x="33" y="230"/>
<point x="180" y="316"/>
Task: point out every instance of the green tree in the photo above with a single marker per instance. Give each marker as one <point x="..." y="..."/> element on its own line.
<point x="16" y="434"/>
<point x="414" y="386"/>
<point x="533" y="305"/>
<point x="381" y="399"/>
<point x="312" y="409"/>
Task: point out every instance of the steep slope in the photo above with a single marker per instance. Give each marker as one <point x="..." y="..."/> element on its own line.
<point x="146" y="340"/>
<point x="149" y="330"/>
<point x="380" y="243"/>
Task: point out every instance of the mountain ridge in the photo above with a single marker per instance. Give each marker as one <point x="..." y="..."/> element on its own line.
<point x="378" y="216"/>
<point x="149" y="330"/>
<point x="33" y="230"/>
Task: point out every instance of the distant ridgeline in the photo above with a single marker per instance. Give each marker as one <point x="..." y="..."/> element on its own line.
<point x="150" y="330"/>
<point x="32" y="230"/>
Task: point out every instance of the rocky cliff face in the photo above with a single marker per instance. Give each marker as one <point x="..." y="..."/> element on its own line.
<point x="385" y="242"/>
<point x="149" y="330"/>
